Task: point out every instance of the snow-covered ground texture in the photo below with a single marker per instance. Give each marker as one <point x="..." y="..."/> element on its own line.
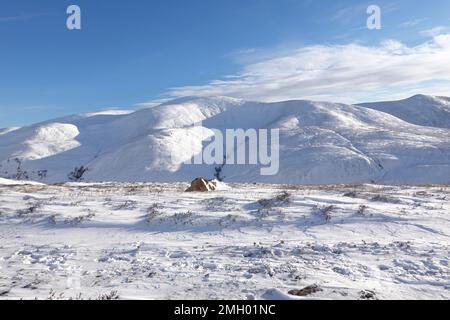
<point x="404" y="142"/>
<point x="134" y="241"/>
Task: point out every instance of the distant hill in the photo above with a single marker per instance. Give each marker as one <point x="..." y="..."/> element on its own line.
<point x="397" y="142"/>
<point x="420" y="109"/>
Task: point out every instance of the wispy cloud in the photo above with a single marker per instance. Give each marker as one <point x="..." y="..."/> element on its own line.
<point x="345" y="73"/>
<point x="433" y="32"/>
<point x="22" y="17"/>
<point x="350" y="13"/>
<point x="346" y="14"/>
<point x="413" y="23"/>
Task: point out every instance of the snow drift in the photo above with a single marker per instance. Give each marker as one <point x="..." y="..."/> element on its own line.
<point x="404" y="142"/>
<point x="7" y="182"/>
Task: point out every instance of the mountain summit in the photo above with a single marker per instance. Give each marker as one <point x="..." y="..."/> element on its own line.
<point x="420" y="109"/>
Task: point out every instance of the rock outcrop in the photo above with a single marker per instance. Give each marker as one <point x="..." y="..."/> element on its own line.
<point x="202" y="185"/>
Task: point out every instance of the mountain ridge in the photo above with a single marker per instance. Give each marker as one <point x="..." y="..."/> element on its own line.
<point x="320" y="142"/>
<point x="412" y="110"/>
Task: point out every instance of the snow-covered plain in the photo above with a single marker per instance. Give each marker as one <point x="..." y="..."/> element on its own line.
<point x="134" y="241"/>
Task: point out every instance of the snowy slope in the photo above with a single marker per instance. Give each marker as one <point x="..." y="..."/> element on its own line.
<point x="320" y="142"/>
<point x="7" y="182"/>
<point x="6" y="130"/>
<point x="420" y="109"/>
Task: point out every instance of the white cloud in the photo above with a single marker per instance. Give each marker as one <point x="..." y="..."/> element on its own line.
<point x="436" y="31"/>
<point x="413" y="23"/>
<point x="347" y="73"/>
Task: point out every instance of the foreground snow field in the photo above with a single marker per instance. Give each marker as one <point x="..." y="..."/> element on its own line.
<point x="135" y="241"/>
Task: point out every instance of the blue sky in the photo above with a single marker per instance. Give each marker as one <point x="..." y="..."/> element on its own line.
<point x="132" y="52"/>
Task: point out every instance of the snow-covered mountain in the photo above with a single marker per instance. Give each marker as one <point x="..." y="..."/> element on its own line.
<point x="420" y="109"/>
<point x="320" y="142"/>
